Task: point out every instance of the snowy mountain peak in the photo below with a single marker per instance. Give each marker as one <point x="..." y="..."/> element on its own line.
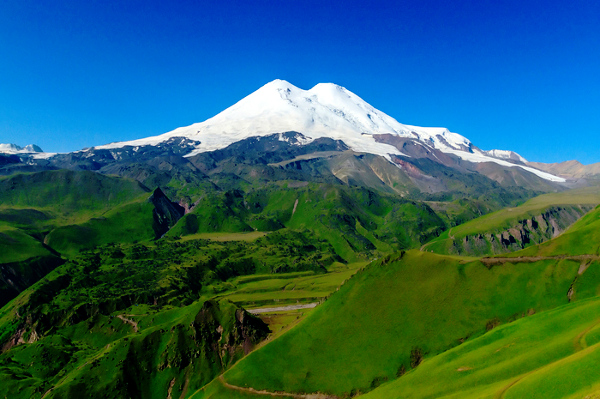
<point x="15" y="149"/>
<point x="325" y="110"/>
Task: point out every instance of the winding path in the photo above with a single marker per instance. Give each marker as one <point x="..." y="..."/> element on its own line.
<point x="530" y="259"/>
<point x="129" y="321"/>
<point x="276" y="394"/>
<point x="283" y="308"/>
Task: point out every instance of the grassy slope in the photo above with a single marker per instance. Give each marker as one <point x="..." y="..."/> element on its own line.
<point x="507" y="218"/>
<point x="549" y="355"/>
<point x="16" y="246"/>
<point x="124" y="223"/>
<point x="66" y="211"/>
<point x="359" y="223"/>
<point x="67" y="192"/>
<point x="83" y="208"/>
<point x="367" y="331"/>
<point x="583" y="237"/>
<point x="290" y="288"/>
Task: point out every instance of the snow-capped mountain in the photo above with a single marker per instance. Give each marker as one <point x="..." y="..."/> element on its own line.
<point x="15" y="149"/>
<point x="326" y="110"/>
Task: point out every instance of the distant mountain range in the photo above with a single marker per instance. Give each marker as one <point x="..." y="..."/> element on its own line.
<point x="325" y="111"/>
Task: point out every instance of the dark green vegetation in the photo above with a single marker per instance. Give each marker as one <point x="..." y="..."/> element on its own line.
<point x="132" y="354"/>
<point x="46" y="214"/>
<point x="358" y="222"/>
<point x="127" y="279"/>
<point x="134" y="319"/>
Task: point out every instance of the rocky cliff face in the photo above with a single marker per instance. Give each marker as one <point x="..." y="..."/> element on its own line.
<point x="166" y="213"/>
<point x="535" y="230"/>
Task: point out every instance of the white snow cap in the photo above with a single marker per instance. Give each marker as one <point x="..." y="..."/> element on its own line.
<point x="326" y="110"/>
<point x="15" y="149"/>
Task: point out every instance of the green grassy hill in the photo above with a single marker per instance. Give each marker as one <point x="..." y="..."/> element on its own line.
<point x="137" y="320"/>
<point x="553" y="354"/>
<point x="387" y="317"/>
<point x="23" y="261"/>
<point x="124" y="223"/>
<point x="405" y="308"/>
<point x="50" y="214"/>
<point x="359" y="223"/>
<point x="537" y="220"/>
<point x="67" y="192"/>
<point x="583" y="237"/>
<point x="132" y="315"/>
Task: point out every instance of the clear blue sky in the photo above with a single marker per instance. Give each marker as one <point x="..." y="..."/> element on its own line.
<point x="519" y="75"/>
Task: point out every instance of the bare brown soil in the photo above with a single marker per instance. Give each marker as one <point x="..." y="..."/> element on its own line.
<point x="277" y="394"/>
<point x="530" y="259"/>
<point x="129" y="321"/>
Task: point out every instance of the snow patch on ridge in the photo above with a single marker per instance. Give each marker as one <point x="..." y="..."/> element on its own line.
<point x="504" y="154"/>
<point x="479" y="157"/>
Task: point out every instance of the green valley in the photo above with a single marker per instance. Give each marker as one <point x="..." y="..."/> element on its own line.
<point x="298" y="271"/>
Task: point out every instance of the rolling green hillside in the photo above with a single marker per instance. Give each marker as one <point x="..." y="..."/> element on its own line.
<point x="67" y="192"/>
<point x="50" y="214"/>
<point x="139" y="303"/>
<point x="583" y="237"/>
<point x="23" y="261"/>
<point x="124" y="223"/>
<point x="553" y="354"/>
<point x="359" y="223"/>
<point x="400" y="308"/>
<point x="404" y="312"/>
<point x="537" y="220"/>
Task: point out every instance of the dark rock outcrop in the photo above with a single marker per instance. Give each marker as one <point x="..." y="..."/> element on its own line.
<point x="166" y="213"/>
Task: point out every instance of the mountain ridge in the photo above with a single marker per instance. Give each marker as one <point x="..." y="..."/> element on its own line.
<point x="326" y="110"/>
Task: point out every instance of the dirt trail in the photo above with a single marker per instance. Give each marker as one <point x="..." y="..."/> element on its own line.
<point x="579" y="344"/>
<point x="277" y="394"/>
<point x="579" y="341"/>
<point x="283" y="308"/>
<point x="125" y="320"/>
<point x="171" y="389"/>
<point x="530" y="259"/>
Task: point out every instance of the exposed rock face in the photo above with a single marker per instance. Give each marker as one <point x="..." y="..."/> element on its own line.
<point x="245" y="332"/>
<point x="535" y="230"/>
<point x="166" y="213"/>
